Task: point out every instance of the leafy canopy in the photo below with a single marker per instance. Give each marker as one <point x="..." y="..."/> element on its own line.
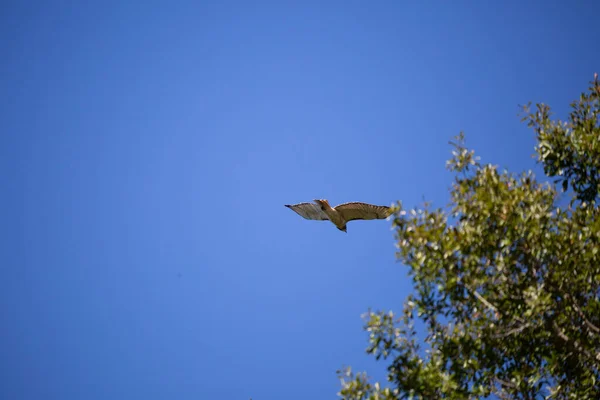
<point x="507" y="282"/>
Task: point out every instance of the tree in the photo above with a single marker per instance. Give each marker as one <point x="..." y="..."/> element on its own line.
<point x="507" y="282"/>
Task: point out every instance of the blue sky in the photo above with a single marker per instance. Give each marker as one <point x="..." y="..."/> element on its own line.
<point x="148" y="150"/>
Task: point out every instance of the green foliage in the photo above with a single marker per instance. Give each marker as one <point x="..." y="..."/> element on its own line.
<point x="507" y="284"/>
<point x="571" y="150"/>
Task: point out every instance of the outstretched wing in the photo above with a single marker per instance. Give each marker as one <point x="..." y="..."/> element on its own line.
<point x="309" y="211"/>
<point x="352" y="211"/>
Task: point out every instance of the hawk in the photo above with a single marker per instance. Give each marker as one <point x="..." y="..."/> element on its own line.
<point x="341" y="214"/>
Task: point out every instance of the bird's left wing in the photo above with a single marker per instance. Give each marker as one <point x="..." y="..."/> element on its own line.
<point x="309" y="211"/>
<point x="355" y="210"/>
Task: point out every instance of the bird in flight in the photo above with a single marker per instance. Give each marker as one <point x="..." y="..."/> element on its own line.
<point x="341" y="214"/>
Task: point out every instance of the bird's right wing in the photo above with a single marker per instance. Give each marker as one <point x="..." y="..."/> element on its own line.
<point x="356" y="210"/>
<point x="309" y="211"/>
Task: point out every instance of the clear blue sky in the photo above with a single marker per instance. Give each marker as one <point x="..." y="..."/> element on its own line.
<point x="148" y="149"/>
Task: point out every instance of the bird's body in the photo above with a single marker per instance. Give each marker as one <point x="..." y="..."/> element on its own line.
<point x="341" y="214"/>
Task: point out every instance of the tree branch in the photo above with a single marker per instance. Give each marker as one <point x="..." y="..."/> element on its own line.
<point x="513" y="331"/>
<point x="587" y="322"/>
<point x="487" y="303"/>
<point x="574" y="343"/>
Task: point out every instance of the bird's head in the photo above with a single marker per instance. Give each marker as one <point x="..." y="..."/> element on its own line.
<point x="322" y="203"/>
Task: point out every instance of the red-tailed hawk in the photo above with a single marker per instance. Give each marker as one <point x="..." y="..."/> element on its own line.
<point x="339" y="215"/>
